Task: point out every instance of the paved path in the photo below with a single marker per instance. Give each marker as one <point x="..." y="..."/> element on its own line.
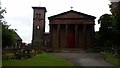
<point x="84" y="59"/>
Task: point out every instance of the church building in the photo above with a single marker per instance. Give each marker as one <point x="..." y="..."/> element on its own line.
<point x="70" y="29"/>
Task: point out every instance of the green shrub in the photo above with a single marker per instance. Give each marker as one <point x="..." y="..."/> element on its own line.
<point x="23" y="54"/>
<point x="109" y="57"/>
<point x="8" y="56"/>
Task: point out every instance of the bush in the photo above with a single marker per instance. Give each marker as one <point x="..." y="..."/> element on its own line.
<point x="23" y="54"/>
<point x="98" y="49"/>
<point x="109" y="57"/>
<point x="8" y="56"/>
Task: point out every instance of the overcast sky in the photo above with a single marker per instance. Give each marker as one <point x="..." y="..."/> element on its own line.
<point x="20" y="14"/>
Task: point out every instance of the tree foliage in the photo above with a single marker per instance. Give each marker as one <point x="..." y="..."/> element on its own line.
<point x="8" y="35"/>
<point x="115" y="10"/>
<point x="105" y="26"/>
<point x="108" y="35"/>
<point x="103" y="37"/>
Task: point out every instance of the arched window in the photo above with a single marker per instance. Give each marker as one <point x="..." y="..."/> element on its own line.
<point x="37" y="15"/>
<point x="38" y="27"/>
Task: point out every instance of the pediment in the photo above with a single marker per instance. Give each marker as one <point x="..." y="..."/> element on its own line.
<point x="71" y="15"/>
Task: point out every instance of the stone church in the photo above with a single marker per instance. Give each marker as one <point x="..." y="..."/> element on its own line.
<point x="70" y="29"/>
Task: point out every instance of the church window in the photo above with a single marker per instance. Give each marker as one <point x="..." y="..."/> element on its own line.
<point x="38" y="27"/>
<point x="37" y="15"/>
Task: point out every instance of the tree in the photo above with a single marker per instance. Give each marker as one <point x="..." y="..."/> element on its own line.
<point x="106" y="30"/>
<point x="8" y="35"/>
<point x="115" y="10"/>
<point x="109" y="33"/>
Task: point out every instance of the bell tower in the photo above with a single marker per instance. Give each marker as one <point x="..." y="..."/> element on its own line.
<point x="38" y="25"/>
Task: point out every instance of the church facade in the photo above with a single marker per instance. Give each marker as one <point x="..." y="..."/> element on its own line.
<point x="69" y="29"/>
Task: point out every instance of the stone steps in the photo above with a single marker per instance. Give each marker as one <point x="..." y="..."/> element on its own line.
<point x="71" y="50"/>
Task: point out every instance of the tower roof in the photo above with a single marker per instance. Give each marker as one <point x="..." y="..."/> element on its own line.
<point x="40" y="8"/>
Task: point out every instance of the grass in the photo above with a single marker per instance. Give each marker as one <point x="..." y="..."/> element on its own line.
<point x="38" y="60"/>
<point x="109" y="57"/>
<point x="0" y="62"/>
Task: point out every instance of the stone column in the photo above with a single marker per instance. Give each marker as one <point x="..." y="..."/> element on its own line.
<point x="76" y="35"/>
<point x="50" y="39"/>
<point x="84" y="36"/>
<point x="67" y="35"/>
<point x="58" y="34"/>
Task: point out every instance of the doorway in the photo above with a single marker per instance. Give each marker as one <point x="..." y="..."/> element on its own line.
<point x="72" y="40"/>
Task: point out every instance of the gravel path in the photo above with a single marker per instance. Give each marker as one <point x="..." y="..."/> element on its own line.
<point x="84" y="59"/>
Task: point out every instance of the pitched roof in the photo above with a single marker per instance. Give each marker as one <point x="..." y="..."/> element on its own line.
<point x="79" y="13"/>
<point x="40" y="8"/>
<point x="17" y="36"/>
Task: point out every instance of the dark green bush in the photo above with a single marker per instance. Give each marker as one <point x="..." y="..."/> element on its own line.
<point x="23" y="54"/>
<point x="8" y="56"/>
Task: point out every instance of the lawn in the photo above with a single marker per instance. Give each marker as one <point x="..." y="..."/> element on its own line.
<point x="0" y="62"/>
<point x="38" y="60"/>
<point x="109" y="57"/>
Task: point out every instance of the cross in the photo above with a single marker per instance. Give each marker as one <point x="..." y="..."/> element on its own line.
<point x="71" y="7"/>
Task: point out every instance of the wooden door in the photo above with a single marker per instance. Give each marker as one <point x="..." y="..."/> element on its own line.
<point x="72" y="40"/>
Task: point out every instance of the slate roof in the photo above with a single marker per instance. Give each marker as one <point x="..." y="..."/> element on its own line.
<point x="17" y="37"/>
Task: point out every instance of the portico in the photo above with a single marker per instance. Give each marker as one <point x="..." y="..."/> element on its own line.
<point x="71" y="30"/>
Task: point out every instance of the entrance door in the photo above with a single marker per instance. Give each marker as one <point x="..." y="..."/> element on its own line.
<point x="72" y="40"/>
